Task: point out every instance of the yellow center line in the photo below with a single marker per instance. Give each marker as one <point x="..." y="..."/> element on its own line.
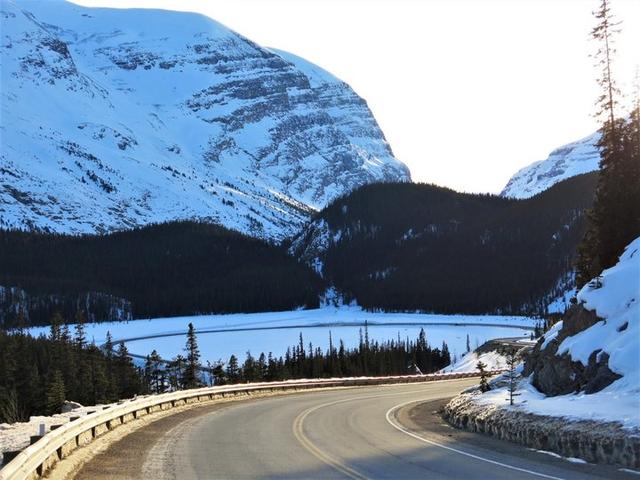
<point x="298" y="432"/>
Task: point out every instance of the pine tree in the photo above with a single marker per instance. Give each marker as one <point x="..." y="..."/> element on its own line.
<point x="80" y="338"/>
<point x="192" y="367"/>
<point x="512" y="363"/>
<point x="55" y="329"/>
<point x="232" y="370"/>
<point x="614" y="219"/>
<point x="484" y="376"/>
<point x="55" y="393"/>
<point x="126" y="377"/>
<point x="154" y="372"/>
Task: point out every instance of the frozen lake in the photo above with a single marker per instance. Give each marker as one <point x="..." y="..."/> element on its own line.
<point x="220" y="336"/>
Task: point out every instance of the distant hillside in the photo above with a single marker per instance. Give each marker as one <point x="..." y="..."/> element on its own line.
<point x="564" y="162"/>
<point x="411" y="246"/>
<point x="163" y="270"/>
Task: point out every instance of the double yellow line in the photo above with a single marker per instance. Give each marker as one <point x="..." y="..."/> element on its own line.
<point x="298" y="432"/>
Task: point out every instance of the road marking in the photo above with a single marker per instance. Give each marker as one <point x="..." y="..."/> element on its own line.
<point x="461" y="452"/>
<point x="298" y="432"/>
<point x="319" y="454"/>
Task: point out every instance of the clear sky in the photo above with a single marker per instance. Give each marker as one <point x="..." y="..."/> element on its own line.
<point x="466" y="92"/>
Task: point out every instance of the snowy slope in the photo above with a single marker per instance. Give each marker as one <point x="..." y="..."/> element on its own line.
<point x="493" y="361"/>
<point x="564" y="162"/>
<point x="113" y="118"/>
<point x="617" y="302"/>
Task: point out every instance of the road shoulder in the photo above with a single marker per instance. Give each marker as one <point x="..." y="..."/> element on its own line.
<point x="425" y="419"/>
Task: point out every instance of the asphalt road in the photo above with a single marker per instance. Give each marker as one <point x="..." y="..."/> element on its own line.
<point x="373" y="432"/>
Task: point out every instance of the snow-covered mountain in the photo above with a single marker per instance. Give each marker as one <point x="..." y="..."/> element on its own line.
<point x="564" y="162"/>
<point x="113" y="118"/>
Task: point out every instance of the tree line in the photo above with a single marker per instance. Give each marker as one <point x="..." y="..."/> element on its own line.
<point x="37" y="375"/>
<point x="171" y="269"/>
<point x="369" y="358"/>
<point x="423" y="247"/>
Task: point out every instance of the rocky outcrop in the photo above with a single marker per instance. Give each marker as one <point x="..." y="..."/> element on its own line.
<point x="595" y="442"/>
<point x="555" y="374"/>
<point x="116" y="118"/>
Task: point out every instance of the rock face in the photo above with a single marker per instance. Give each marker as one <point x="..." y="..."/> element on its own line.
<point x="555" y="374"/>
<point x="567" y="161"/>
<point x="113" y="118"/>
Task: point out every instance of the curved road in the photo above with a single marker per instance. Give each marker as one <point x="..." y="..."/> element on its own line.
<point x="358" y="433"/>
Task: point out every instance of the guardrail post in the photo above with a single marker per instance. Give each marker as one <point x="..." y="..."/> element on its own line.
<point x="10" y="455"/>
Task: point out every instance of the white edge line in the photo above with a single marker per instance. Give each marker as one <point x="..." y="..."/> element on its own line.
<point x="430" y="442"/>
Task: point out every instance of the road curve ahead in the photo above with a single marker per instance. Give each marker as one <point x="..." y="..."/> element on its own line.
<point x="355" y="433"/>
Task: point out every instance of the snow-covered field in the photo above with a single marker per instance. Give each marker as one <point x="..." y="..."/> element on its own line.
<point x="275" y="331"/>
<point x="617" y="301"/>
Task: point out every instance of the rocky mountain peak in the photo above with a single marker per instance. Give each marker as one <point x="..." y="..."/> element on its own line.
<point x="114" y="118"/>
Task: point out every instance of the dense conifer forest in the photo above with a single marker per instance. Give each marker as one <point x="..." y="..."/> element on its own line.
<point x="416" y="246"/>
<point x="394" y="247"/>
<point x="38" y="374"/>
<point x="170" y="269"/>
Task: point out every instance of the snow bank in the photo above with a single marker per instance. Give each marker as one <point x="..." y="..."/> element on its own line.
<point x="492" y="360"/>
<point x="617" y="301"/>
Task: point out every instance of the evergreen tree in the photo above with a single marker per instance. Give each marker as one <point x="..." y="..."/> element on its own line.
<point x="80" y="334"/>
<point x="191" y="378"/>
<point x="55" y="393"/>
<point x="512" y="363"/>
<point x="232" y="370"/>
<point x="484" y="376"/>
<point x="154" y="372"/>
<point x="614" y="220"/>
<point x="127" y="379"/>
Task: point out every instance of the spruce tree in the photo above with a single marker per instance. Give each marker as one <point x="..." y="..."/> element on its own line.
<point x="614" y="219"/>
<point x="232" y="369"/>
<point x="512" y="363"/>
<point x="55" y="396"/>
<point x="80" y="338"/>
<point x="484" y="376"/>
<point x="192" y="367"/>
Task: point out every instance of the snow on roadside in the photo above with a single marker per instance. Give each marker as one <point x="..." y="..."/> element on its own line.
<point x="16" y="436"/>
<point x="492" y="360"/>
<point x="617" y="301"/>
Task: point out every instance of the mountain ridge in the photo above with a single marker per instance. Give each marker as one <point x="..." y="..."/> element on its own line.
<point x="108" y="124"/>
<point x="575" y="158"/>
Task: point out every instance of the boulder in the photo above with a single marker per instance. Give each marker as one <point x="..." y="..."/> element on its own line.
<point x="69" y="406"/>
<point x="555" y="374"/>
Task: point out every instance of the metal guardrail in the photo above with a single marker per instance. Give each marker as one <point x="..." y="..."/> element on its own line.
<point x="39" y="458"/>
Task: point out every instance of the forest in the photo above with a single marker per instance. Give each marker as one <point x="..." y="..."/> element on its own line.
<point x="37" y="375"/>
<point x="429" y="248"/>
<point x="178" y="268"/>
